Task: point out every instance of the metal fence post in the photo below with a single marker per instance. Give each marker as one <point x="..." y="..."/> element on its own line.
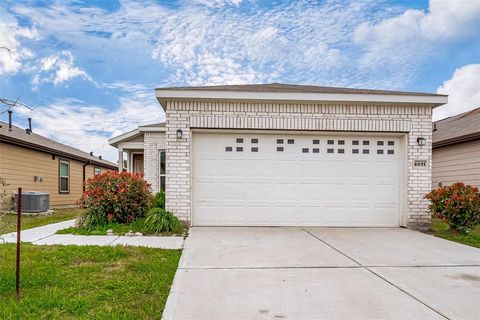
<point x="19" y="228"/>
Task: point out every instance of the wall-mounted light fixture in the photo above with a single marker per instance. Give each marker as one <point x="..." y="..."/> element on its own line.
<point x="179" y="133"/>
<point x="421" y="141"/>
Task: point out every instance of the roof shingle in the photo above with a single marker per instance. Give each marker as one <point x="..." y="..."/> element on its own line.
<point x="279" y="87"/>
<point x="459" y="128"/>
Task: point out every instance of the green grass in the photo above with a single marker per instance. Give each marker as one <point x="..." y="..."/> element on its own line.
<point x="8" y="221"/>
<point x="442" y="229"/>
<point x="86" y="282"/>
<point x="119" y="229"/>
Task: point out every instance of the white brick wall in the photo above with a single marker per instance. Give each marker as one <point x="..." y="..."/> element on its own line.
<point x="153" y="142"/>
<point x="414" y="120"/>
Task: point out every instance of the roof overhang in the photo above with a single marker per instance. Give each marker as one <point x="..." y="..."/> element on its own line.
<point x="151" y="129"/>
<point x="164" y="95"/>
<point x="456" y="140"/>
<point x="125" y="136"/>
<point x="33" y="146"/>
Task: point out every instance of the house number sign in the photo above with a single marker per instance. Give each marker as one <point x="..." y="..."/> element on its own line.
<point x="419" y="163"/>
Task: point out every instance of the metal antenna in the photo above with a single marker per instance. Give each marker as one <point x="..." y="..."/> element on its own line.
<point x="10" y="104"/>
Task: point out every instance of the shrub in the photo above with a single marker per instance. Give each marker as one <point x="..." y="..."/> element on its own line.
<point x="458" y="204"/>
<point x="159" y="200"/>
<point x="91" y="219"/>
<point x="117" y="197"/>
<point x="160" y="220"/>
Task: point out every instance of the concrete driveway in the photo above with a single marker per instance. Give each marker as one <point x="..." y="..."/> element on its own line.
<point x="324" y="273"/>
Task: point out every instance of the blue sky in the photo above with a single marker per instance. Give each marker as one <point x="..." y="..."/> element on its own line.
<point x="90" y="67"/>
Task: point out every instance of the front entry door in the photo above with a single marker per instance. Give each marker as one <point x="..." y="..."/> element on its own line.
<point x="138" y="163"/>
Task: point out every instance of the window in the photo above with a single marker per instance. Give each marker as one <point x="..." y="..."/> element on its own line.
<point x="97" y="170"/>
<point x="63" y="176"/>
<point x="163" y="169"/>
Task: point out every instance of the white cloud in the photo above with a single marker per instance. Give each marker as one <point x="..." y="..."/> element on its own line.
<point x="298" y="43"/>
<point x="12" y="52"/>
<point x="405" y="40"/>
<point x="463" y="90"/>
<point x="57" y="69"/>
<point x="218" y="3"/>
<point x="88" y="127"/>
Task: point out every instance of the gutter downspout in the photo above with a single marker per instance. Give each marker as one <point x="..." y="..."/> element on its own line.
<point x="84" y="174"/>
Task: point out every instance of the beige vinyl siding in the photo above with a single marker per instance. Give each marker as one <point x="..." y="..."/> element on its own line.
<point x="459" y="162"/>
<point x="19" y="165"/>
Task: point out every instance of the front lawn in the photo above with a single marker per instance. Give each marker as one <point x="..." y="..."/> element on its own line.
<point x="442" y="229"/>
<point x="8" y="221"/>
<point x="87" y="282"/>
<point x="120" y="229"/>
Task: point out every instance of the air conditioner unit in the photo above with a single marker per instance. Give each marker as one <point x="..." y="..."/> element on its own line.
<point x="33" y="201"/>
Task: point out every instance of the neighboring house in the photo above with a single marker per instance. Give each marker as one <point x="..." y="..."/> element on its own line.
<point x="145" y="153"/>
<point x="456" y="149"/>
<point x="36" y="163"/>
<point x="292" y="155"/>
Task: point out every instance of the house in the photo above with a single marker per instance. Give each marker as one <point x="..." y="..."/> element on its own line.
<point x="456" y="149"/>
<point x="36" y="163"/>
<point x="145" y="153"/>
<point x="294" y="155"/>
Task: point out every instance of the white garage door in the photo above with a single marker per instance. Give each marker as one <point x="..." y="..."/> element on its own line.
<point x="248" y="179"/>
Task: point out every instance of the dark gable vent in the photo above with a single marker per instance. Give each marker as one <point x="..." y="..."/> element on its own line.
<point x="100" y="157"/>
<point x="91" y="153"/>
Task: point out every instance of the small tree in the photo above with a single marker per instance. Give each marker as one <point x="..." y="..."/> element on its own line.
<point x="3" y="193"/>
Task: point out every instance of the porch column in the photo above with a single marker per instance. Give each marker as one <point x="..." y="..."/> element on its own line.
<point x="120" y="160"/>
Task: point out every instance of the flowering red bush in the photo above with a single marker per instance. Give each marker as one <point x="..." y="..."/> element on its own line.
<point x="118" y="197"/>
<point x="458" y="204"/>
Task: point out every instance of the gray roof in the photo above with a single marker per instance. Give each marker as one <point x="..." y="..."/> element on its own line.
<point x="278" y="87"/>
<point x="159" y="125"/>
<point x="35" y="141"/>
<point x="456" y="129"/>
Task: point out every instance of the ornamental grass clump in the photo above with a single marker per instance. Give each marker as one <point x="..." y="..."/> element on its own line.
<point x="457" y="204"/>
<point x="115" y="197"/>
<point x="160" y="220"/>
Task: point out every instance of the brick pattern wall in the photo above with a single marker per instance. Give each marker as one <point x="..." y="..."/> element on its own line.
<point x="153" y="142"/>
<point x="413" y="120"/>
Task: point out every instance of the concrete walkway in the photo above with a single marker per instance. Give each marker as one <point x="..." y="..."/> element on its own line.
<point x="45" y="235"/>
<point x="323" y="273"/>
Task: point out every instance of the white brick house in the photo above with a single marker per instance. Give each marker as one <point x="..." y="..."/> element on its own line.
<point x="283" y="155"/>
